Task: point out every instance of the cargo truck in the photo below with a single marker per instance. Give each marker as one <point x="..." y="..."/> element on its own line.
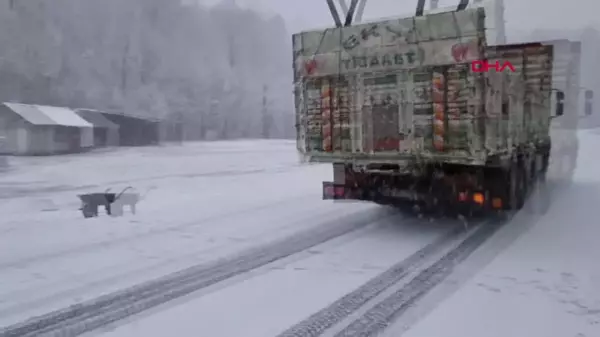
<point x="424" y="109"/>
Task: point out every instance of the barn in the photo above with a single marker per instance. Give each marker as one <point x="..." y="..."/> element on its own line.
<point x="28" y="129"/>
<point x="135" y="130"/>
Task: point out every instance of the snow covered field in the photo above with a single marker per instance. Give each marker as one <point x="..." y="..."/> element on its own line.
<point x="209" y="200"/>
<point x="534" y="277"/>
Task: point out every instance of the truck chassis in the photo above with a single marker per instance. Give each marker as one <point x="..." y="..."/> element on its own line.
<point x="447" y="187"/>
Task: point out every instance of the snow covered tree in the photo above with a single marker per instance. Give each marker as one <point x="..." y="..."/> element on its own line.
<point x="160" y="58"/>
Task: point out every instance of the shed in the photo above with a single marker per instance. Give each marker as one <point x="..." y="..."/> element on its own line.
<point x="135" y="130"/>
<point x="106" y="133"/>
<point x="41" y="130"/>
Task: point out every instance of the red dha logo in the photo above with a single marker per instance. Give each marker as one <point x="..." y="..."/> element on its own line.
<point x="482" y="66"/>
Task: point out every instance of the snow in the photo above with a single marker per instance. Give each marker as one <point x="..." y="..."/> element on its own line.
<point x="546" y="283"/>
<point x="208" y="200"/>
<point x="64" y="116"/>
<point x="279" y="296"/>
<point x="538" y="276"/>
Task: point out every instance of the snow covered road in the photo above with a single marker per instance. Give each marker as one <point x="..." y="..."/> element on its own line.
<point x="50" y="256"/>
<point x="270" y="258"/>
<point x="545" y="284"/>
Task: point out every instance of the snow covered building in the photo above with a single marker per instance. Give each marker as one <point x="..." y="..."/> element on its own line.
<point x="135" y="130"/>
<point x="43" y="130"/>
<point x="106" y="133"/>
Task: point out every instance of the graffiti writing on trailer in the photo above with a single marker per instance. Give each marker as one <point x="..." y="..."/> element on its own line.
<point x="354" y="41"/>
<point x="385" y="60"/>
<point x="423" y="93"/>
<point x="405" y="35"/>
<point x="386" y="101"/>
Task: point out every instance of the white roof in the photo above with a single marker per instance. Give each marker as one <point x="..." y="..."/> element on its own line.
<point x="30" y="113"/>
<point x="64" y="116"/>
<point x="48" y="115"/>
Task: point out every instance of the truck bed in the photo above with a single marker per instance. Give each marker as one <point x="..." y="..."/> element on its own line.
<point x="403" y="90"/>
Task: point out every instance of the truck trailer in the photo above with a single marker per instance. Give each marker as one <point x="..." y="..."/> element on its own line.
<point x="424" y="109"/>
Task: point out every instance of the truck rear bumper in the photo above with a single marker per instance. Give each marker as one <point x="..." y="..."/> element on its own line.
<point x="464" y="202"/>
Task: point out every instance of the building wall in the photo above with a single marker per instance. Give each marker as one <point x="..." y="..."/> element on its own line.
<point x="21" y="137"/>
<point x="56" y="139"/>
<point x="86" y="137"/>
<point x="26" y="139"/>
<point x="8" y="136"/>
<point x="12" y="144"/>
<point x="135" y="131"/>
<point x="106" y="137"/>
<point x="36" y="140"/>
<point x="113" y="137"/>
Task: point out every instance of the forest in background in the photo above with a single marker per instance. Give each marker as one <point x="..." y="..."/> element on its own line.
<point x="207" y="67"/>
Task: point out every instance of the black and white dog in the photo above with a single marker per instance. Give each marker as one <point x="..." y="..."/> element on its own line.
<point x="113" y="202"/>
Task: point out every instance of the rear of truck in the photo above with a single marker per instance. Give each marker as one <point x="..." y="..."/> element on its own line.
<point x="396" y="108"/>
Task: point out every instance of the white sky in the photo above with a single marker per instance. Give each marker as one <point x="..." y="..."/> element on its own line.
<point x="521" y="15"/>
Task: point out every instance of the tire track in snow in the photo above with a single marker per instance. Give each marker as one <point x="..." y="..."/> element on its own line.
<point x="88" y="247"/>
<point x="80" y="318"/>
<point x="377" y="318"/>
<point x="114" y="274"/>
<point x="9" y="192"/>
<point x="326" y="318"/>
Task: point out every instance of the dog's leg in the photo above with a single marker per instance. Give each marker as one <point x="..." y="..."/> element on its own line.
<point x="132" y="206"/>
<point x="118" y="210"/>
<point x="87" y="211"/>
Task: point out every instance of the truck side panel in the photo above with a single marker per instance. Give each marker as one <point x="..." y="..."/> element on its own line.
<point x="526" y="117"/>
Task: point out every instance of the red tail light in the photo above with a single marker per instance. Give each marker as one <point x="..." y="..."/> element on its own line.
<point x="329" y="190"/>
